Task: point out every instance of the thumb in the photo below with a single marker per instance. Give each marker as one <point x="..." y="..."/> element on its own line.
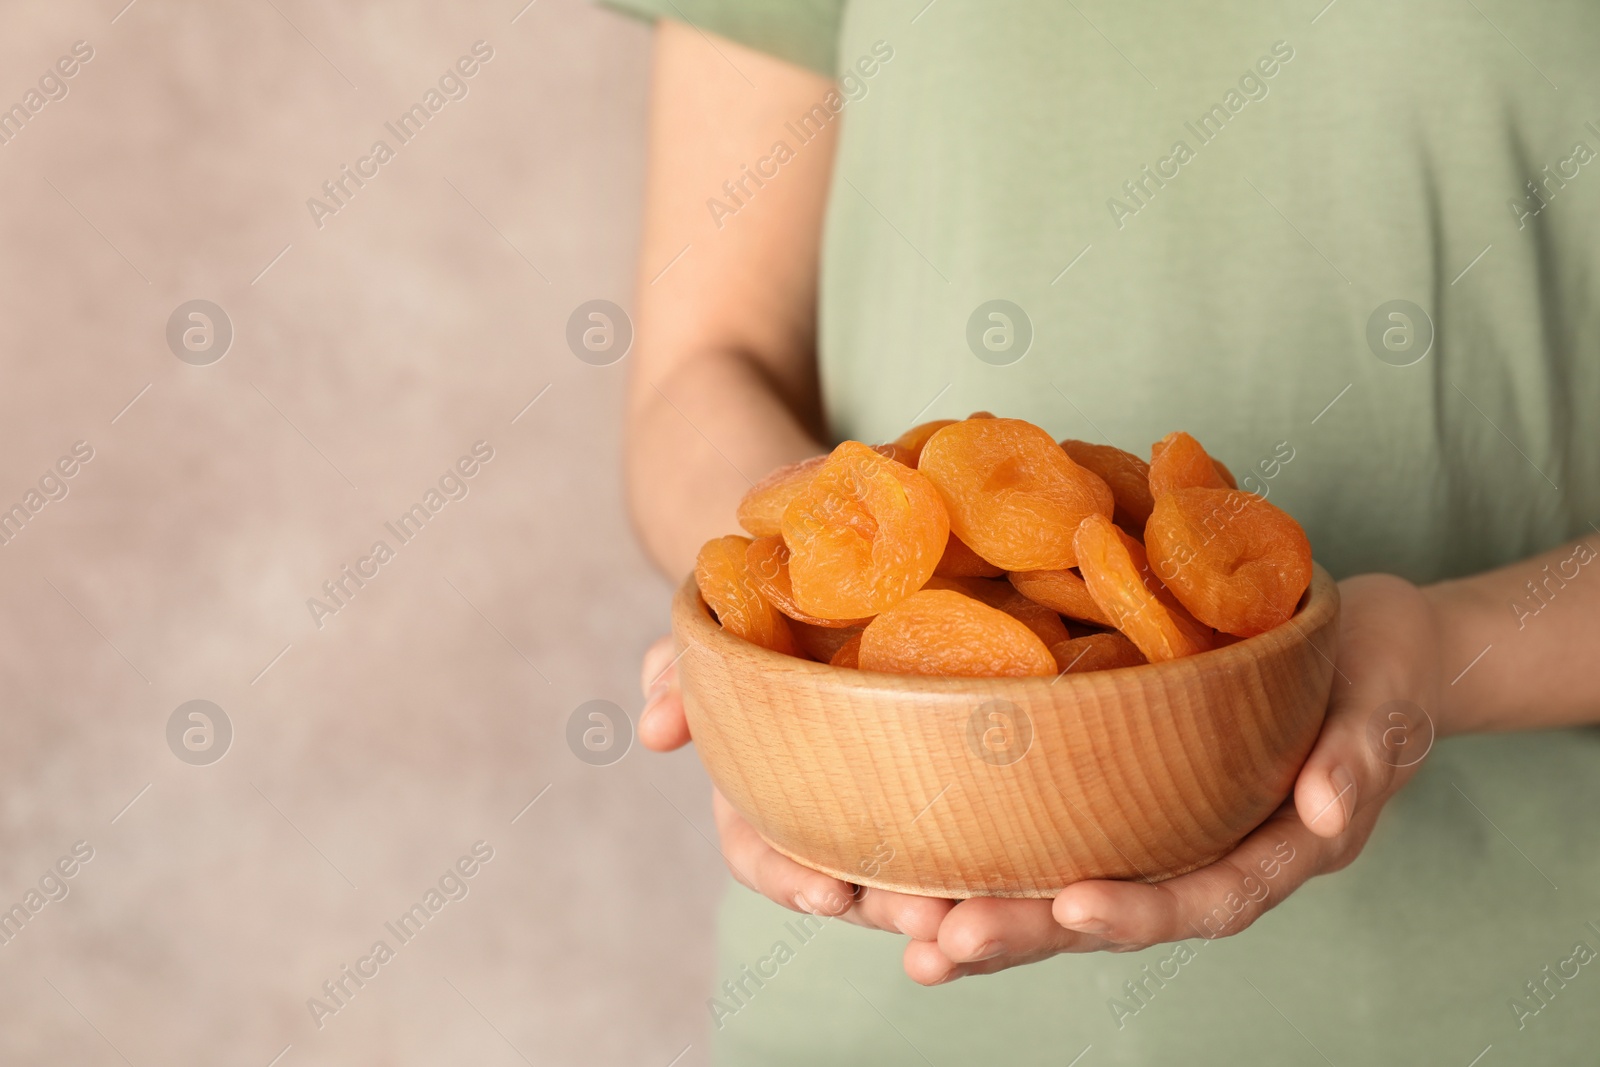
<point x="659" y="662"/>
<point x="1368" y="741"/>
<point x="1377" y="728"/>
<point x="662" y="724"/>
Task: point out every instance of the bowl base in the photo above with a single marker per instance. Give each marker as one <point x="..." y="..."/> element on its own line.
<point x="963" y="893"/>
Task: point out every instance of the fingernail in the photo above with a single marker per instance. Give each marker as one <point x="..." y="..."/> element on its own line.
<point x="1344" y="791"/>
<point x="988" y="951"/>
<point x="652" y="705"/>
<point x="832" y="905"/>
<point x="655" y="668"/>
<point x="1077" y="918"/>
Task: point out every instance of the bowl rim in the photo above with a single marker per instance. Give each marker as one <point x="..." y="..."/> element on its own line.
<point x="1319" y="603"/>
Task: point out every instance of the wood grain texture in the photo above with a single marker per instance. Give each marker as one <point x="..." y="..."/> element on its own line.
<point x="1007" y="787"/>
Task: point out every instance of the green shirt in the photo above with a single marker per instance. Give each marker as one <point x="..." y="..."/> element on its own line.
<point x="1361" y="237"/>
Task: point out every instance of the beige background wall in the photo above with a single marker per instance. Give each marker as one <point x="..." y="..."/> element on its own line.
<point x="425" y="714"/>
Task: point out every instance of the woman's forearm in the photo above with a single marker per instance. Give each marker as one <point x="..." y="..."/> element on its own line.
<point x="696" y="441"/>
<point x="723" y="383"/>
<point x="1519" y="646"/>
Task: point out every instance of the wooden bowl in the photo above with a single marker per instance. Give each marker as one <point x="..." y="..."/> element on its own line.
<point x="1007" y="787"/>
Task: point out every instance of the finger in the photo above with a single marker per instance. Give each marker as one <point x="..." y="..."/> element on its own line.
<point x="658" y="659"/>
<point x="1222" y="898"/>
<point x="758" y="866"/>
<point x="1343" y="774"/>
<point x="1346" y="772"/>
<point x="985" y="927"/>
<point x="927" y="965"/>
<point x="1328" y="790"/>
<point x="662" y="724"/>
<point x="982" y="936"/>
<point x="769" y="872"/>
<point x="917" y="917"/>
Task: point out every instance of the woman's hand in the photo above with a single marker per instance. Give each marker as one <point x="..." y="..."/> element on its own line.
<point x="756" y="865"/>
<point x="1388" y="650"/>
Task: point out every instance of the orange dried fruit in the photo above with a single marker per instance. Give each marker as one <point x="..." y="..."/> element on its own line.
<point x="959" y="561"/>
<point x="1236" y="562"/>
<point x="1115" y="569"/>
<point x="768" y="561"/>
<point x="1096" y="652"/>
<point x="1045" y="623"/>
<point x="951" y="506"/>
<point x="1126" y="474"/>
<point x="913" y="439"/>
<point x="822" y="643"/>
<point x="1178" y="461"/>
<point x="1061" y="591"/>
<point x="940" y="631"/>
<point x="1015" y="497"/>
<point x="898" y="453"/>
<point x="761" y="510"/>
<point x="849" y="653"/>
<point x="864" y="534"/>
<point x="723" y="575"/>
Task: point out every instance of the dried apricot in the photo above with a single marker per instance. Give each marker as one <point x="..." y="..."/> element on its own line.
<point x="959" y="561"/>
<point x="761" y="510"/>
<point x="768" y="560"/>
<point x="1035" y="616"/>
<point x="1061" y="591"/>
<point x="849" y="653"/>
<point x="1096" y="652"/>
<point x="1126" y="474"/>
<point x="1178" y="461"/>
<point x="1235" y="561"/>
<point x="1115" y="570"/>
<point x="935" y="518"/>
<point x="822" y="643"/>
<point x="863" y="535"/>
<point x="1015" y="497"/>
<point x="940" y="631"/>
<point x="897" y="453"/>
<point x="913" y="439"/>
<point x="723" y="575"/>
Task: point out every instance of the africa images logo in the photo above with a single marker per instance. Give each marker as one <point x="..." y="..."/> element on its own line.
<point x="454" y="484"/>
<point x="53" y="85"/>
<point x="739" y="191"/>
<point x="452" y="85"/>
<point x="1252" y="87"/>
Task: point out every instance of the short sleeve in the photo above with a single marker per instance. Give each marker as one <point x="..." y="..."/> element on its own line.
<point x="804" y="32"/>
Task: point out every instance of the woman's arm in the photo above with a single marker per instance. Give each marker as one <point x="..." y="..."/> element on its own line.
<point x="1518" y="644"/>
<point x="723" y="385"/>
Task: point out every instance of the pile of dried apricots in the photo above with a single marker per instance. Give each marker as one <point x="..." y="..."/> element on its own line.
<point x="982" y="547"/>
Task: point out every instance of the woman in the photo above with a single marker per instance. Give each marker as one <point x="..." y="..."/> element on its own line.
<point x="1351" y="250"/>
